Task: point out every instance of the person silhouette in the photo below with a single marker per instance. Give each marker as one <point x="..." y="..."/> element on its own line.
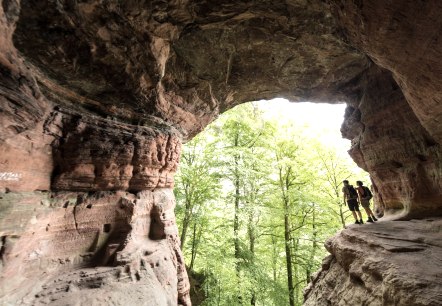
<point x="364" y="195"/>
<point x="351" y="198"/>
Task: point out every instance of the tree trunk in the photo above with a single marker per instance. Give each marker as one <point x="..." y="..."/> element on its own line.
<point x="295" y="272"/>
<point x="194" y="243"/>
<point x="253" y="299"/>
<point x="288" y="258"/>
<point x="285" y="186"/>
<point x="252" y="237"/>
<point x="274" y="258"/>
<point x="338" y="197"/>
<point x="236" y="216"/>
<point x="314" y="246"/>
<point x="186" y="221"/>
<point x="341" y="213"/>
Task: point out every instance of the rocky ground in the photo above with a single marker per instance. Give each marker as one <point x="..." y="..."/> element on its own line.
<point x="97" y="96"/>
<point x="386" y="263"/>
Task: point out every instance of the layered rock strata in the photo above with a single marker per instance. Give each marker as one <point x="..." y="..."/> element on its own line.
<point x="96" y="97"/>
<point x="403" y="37"/>
<point x="389" y="142"/>
<point x="111" y="155"/>
<point x="387" y="263"/>
<point x="92" y="247"/>
<point x="399" y="115"/>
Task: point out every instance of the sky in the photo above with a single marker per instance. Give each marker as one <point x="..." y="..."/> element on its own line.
<point x="323" y="121"/>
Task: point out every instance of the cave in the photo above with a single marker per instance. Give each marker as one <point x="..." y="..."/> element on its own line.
<point x="98" y="96"/>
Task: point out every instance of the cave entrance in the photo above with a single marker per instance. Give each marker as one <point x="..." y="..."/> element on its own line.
<point x="258" y="192"/>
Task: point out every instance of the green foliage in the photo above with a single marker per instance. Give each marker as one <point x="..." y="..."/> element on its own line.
<point x="255" y="203"/>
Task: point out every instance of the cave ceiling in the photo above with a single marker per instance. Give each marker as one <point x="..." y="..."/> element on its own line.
<point x="96" y="98"/>
<point x="181" y="60"/>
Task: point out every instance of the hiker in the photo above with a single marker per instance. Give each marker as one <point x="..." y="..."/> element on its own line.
<point x="351" y="197"/>
<point x="365" y="196"/>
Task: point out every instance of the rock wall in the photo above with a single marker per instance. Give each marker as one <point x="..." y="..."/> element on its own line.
<point x="91" y="153"/>
<point x="388" y="141"/>
<point x="403" y="37"/>
<point x="387" y="263"/>
<point x="86" y="200"/>
<point x="399" y="130"/>
<point x="97" y="96"/>
<point x="87" y="209"/>
<point x="92" y="247"/>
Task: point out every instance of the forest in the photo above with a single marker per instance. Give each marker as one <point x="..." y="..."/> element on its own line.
<point x="256" y="200"/>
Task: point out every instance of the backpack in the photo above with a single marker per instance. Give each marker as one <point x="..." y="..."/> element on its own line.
<point x="352" y="192"/>
<point x="367" y="193"/>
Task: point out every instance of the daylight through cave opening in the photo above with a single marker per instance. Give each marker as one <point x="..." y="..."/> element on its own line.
<point x="260" y="189"/>
<point x="96" y="98"/>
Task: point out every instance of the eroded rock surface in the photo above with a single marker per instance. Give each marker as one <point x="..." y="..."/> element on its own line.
<point x="96" y="97"/>
<point x="403" y="37"/>
<point x="403" y="159"/>
<point x="93" y="248"/>
<point x="387" y="263"/>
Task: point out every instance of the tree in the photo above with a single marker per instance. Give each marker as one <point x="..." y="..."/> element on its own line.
<point x="294" y="180"/>
<point x="196" y="184"/>
<point x="332" y="171"/>
<point x="255" y="203"/>
<point x="242" y="133"/>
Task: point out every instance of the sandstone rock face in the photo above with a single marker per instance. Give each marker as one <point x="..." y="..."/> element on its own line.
<point x="112" y="156"/>
<point x="97" y="96"/>
<point x="92" y="248"/>
<point x="183" y="61"/>
<point x="399" y="128"/>
<point x="403" y="37"/>
<point x="401" y="156"/>
<point x="387" y="263"/>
